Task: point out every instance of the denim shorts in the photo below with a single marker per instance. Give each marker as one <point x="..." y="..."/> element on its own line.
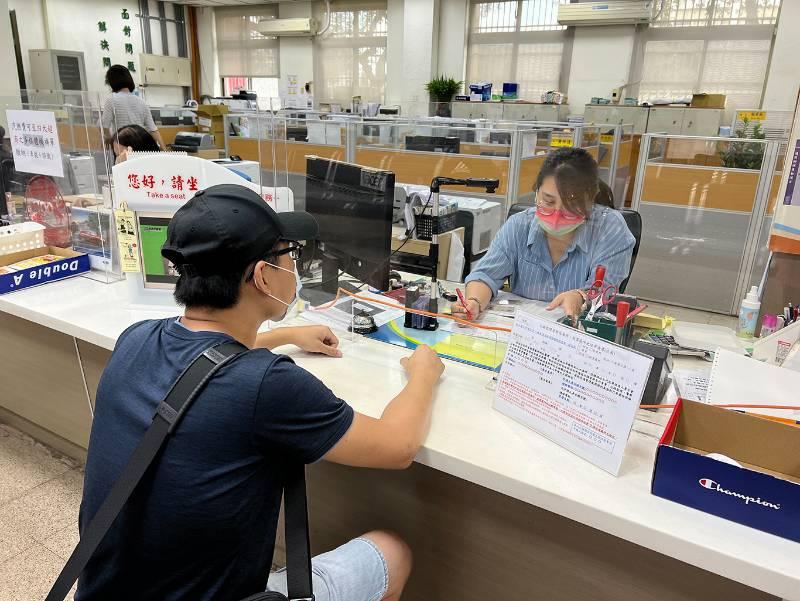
<point x="356" y="571"/>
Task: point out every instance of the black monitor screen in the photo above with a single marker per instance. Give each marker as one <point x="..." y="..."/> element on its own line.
<point x="449" y="144"/>
<point x="353" y="206"/>
<point x="500" y="137"/>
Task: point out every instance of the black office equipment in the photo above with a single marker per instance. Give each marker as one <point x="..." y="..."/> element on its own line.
<point x="296" y="133"/>
<point x="353" y="206"/>
<point x="660" y="373"/>
<point x="467" y="134"/>
<point x="449" y="144"/>
<point x="500" y="137"/>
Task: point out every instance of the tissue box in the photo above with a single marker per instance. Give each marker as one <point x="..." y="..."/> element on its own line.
<point x="764" y="493"/>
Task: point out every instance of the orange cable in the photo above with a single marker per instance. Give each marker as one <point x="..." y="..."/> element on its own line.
<point x="464" y="322"/>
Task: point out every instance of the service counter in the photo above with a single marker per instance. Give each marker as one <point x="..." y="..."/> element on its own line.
<point x="491" y="509"/>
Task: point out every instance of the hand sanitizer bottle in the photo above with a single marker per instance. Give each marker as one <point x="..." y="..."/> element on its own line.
<point x="748" y="314"/>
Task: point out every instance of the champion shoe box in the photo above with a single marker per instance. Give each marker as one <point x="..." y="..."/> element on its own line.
<point x="762" y="492"/>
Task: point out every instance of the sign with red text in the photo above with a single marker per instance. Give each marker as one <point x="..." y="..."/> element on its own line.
<point x="162" y="182"/>
<point x="34" y="142"/>
<point x="578" y="390"/>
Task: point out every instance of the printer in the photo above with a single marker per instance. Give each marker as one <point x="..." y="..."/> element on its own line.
<point x="190" y="141"/>
<point x="481" y="220"/>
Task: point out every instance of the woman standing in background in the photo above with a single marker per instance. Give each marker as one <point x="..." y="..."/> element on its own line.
<point x="124" y="108"/>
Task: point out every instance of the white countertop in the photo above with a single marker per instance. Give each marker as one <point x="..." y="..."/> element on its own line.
<point x="470" y="440"/>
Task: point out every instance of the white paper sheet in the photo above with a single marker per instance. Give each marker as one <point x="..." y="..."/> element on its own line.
<point x="737" y="379"/>
<point x="691" y="385"/>
<point x="455" y="261"/>
<point x="578" y="390"/>
<point x="34" y="142"/>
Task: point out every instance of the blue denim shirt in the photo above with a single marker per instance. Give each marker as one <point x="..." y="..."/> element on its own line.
<point x="520" y="252"/>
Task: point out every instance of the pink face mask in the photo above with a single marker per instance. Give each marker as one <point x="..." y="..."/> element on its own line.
<point x="558" y="223"/>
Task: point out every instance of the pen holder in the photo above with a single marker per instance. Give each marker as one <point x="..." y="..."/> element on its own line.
<point x="607" y="330"/>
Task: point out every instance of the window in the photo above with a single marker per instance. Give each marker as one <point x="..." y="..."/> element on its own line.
<point x="351" y="55"/>
<point x="714" y="46"/>
<point x="266" y="88"/>
<point x="243" y="52"/>
<point x="517" y="40"/>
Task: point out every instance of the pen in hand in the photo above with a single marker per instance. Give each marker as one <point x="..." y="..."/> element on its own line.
<point x="464" y="303"/>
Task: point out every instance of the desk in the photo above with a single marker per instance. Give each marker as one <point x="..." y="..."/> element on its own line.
<point x="491" y="509"/>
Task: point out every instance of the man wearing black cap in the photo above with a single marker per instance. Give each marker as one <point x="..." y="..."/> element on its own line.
<point x="202" y="525"/>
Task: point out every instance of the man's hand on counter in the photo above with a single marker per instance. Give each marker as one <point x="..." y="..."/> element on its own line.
<point x="312" y="339"/>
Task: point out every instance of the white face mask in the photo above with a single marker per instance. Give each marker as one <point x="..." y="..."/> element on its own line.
<point x="298" y="286"/>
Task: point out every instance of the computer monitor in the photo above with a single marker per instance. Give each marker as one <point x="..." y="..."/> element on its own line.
<point x="500" y="137"/>
<point x="157" y="272"/>
<point x="465" y="135"/>
<point x="353" y="206"/>
<point x="449" y="144"/>
<point x="297" y="133"/>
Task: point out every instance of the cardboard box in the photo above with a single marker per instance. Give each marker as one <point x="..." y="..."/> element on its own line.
<point x="708" y="101"/>
<point x="72" y="264"/>
<point x="212" y="110"/>
<point x="210" y="154"/>
<point x="764" y="493"/>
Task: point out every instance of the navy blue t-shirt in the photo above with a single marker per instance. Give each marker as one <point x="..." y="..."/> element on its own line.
<point x="201" y="525"/>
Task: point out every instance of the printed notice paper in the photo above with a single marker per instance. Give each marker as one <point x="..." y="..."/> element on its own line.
<point x="579" y="391"/>
<point x="34" y="142"/>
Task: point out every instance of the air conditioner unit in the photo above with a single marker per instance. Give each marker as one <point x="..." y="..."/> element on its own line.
<point x="619" y="12"/>
<point x="287" y="27"/>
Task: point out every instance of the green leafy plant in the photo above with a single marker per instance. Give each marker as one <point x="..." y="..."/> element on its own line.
<point x="745" y="155"/>
<point x="442" y="88"/>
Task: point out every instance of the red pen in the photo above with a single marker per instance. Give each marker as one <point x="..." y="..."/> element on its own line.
<point x="623" y="309"/>
<point x="463" y="303"/>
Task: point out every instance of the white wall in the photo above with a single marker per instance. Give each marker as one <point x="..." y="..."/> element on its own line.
<point x="296" y="54"/>
<point x="601" y="61"/>
<point x="394" y="53"/>
<point x="72" y="25"/>
<point x="783" y="77"/>
<point x="452" y="38"/>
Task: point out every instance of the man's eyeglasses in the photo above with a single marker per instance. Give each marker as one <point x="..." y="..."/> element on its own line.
<point x="293" y="250"/>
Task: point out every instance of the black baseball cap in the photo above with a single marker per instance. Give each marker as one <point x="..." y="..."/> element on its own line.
<point x="230" y="225"/>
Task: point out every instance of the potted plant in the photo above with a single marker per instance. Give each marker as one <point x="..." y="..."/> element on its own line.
<point x="441" y="90"/>
<point x="745" y="155"/>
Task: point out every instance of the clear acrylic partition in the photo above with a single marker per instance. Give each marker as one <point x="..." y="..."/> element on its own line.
<point x="614" y="159"/>
<point x="774" y="172"/>
<point x="702" y="202"/>
<point x="58" y="173"/>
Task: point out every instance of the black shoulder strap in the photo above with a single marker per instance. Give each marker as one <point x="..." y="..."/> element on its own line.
<point x="167" y="416"/>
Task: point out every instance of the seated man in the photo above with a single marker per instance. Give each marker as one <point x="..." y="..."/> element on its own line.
<point x="202" y="523"/>
<point x="550" y="252"/>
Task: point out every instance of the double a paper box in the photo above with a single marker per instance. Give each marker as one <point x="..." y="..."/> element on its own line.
<point x="64" y="263"/>
<point x="762" y="491"/>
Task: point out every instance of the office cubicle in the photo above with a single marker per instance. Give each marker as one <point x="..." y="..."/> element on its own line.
<point x="704" y="203"/>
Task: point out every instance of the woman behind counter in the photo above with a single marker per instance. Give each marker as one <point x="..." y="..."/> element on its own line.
<point x="550" y="252"/>
<point x="124" y="108"/>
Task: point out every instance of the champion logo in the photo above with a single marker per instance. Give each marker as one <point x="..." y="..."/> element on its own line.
<point x="712" y="485"/>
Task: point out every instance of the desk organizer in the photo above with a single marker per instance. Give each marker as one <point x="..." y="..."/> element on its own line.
<point x="19" y="237"/>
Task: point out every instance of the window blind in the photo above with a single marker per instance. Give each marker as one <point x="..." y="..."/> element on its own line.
<point x="351" y="55"/>
<point x="516" y="40"/>
<point x="243" y="52"/>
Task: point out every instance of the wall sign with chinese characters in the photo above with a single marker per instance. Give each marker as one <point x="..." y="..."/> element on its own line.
<point x="34" y="142"/>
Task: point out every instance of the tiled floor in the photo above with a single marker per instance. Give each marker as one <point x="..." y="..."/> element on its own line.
<point x="40" y="492"/>
<point x="39" y="496"/>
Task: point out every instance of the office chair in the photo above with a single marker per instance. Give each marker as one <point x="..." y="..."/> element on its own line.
<point x="634" y="222"/>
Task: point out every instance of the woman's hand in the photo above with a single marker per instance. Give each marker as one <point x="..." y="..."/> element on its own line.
<point x="457" y="309"/>
<point x="571" y="302"/>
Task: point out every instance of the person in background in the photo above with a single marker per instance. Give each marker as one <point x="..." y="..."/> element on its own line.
<point x="132" y="138"/>
<point x="123" y="107"/>
<point x="203" y="526"/>
<point x="550" y="252"/>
